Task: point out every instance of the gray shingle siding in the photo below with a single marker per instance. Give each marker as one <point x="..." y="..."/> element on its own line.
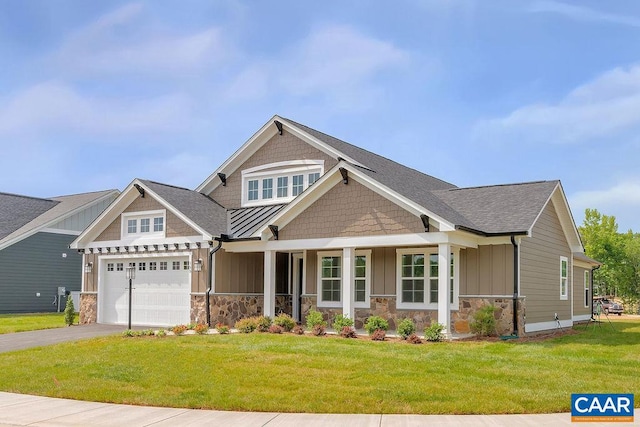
<point x="36" y="264"/>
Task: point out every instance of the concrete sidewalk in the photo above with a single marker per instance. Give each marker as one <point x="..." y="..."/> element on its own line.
<point x="25" y="410"/>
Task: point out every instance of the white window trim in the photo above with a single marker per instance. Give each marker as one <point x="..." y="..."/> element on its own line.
<point x="586" y="291"/>
<point x="150" y="215"/>
<point x="275" y="170"/>
<point x="564" y="296"/>
<point x="427" y="284"/>
<point x="367" y="280"/>
<point x="321" y="302"/>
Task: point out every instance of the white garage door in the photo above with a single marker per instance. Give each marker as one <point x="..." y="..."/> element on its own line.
<point x="161" y="292"/>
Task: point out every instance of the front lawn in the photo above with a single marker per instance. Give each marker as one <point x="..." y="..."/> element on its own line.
<point x="10" y="323"/>
<point x="288" y="373"/>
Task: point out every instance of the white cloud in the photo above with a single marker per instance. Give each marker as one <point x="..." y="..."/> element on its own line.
<point x="55" y="106"/>
<point x="120" y="42"/>
<point x="581" y="13"/>
<point x="622" y="200"/>
<point x="603" y="108"/>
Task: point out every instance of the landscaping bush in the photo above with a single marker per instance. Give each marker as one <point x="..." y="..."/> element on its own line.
<point x="191" y="326"/>
<point x="276" y="329"/>
<point x="201" y="329"/>
<point x="318" y="330"/>
<point x="414" y="339"/>
<point x="340" y="321"/>
<point x="433" y="332"/>
<point x="405" y="328"/>
<point x="298" y="329"/>
<point x="484" y="321"/>
<point x="348" y="332"/>
<point x="128" y="333"/>
<point x="179" y="329"/>
<point x="161" y="333"/>
<point x="247" y="325"/>
<point x="147" y="333"/>
<point x="315" y="318"/>
<point x="222" y="328"/>
<point x="69" y="312"/>
<point x="378" y="335"/>
<point x="285" y="321"/>
<point x="263" y="323"/>
<point x="374" y="323"/>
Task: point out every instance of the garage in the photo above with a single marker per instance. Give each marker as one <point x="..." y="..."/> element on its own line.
<point x="161" y="291"/>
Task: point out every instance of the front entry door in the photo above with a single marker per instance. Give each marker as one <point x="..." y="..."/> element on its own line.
<point x="297" y="275"/>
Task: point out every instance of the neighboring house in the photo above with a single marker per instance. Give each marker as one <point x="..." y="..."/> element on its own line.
<point x="35" y="258"/>
<point x="298" y="220"/>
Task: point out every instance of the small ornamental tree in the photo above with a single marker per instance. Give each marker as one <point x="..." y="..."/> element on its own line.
<point x="69" y="312"/>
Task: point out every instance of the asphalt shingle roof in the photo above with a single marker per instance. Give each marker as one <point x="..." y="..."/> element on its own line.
<point x="202" y="210"/>
<point x="17" y="211"/>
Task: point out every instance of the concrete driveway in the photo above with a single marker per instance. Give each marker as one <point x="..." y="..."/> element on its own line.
<point x="22" y="340"/>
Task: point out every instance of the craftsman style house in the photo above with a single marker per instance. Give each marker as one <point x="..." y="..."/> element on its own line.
<point x="298" y="220"/>
<point x="37" y="269"/>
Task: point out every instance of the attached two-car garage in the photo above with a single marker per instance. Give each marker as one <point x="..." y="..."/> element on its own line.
<point x="161" y="291"/>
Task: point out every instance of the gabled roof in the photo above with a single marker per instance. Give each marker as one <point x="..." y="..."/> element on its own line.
<point x="500" y="209"/>
<point x="23" y="216"/>
<point x="203" y="211"/>
<point x="200" y="212"/>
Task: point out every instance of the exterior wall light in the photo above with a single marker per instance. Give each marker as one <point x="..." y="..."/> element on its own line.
<point x="88" y="267"/>
<point x="197" y="265"/>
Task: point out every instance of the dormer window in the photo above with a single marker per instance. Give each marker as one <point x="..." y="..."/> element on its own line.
<point x="143" y="224"/>
<point x="279" y="182"/>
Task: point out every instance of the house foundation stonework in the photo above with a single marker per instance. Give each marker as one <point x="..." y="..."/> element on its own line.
<point x="284" y="304"/>
<point x="198" y="309"/>
<point x="228" y="309"/>
<point x="461" y="320"/>
<point x="88" y="308"/>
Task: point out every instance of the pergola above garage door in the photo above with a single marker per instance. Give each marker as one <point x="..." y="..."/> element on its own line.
<point x="161" y="291"/>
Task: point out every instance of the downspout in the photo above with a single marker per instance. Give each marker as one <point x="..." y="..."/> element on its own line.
<point x="210" y="279"/>
<point x="515" y="285"/>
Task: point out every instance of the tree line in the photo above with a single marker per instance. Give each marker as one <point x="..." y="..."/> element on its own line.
<point x="618" y="252"/>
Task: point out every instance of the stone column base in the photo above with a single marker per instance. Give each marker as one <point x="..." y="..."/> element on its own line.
<point x="88" y="308"/>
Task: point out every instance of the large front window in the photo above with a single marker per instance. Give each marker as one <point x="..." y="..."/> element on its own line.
<point x="417" y="278"/>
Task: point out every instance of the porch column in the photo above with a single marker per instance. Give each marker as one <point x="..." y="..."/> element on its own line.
<point x="444" y="283"/>
<point x="348" y="270"/>
<point x="270" y="283"/>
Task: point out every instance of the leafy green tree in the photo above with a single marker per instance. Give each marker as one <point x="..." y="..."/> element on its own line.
<point x="629" y="285"/>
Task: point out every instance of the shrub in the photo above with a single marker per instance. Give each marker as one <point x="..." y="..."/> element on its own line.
<point x="161" y="333"/>
<point x="263" y="323"/>
<point x="222" y="328"/>
<point x="318" y="330"/>
<point x="298" y="329"/>
<point x="247" y="325"/>
<point x="484" y="321"/>
<point x="179" y="329"/>
<point x="276" y="329"/>
<point x="147" y="333"/>
<point x="201" y="329"/>
<point x="191" y="326"/>
<point x="433" y="332"/>
<point x="128" y="333"/>
<point x="374" y="323"/>
<point x="414" y="339"/>
<point x="285" y="321"/>
<point x="315" y="318"/>
<point x="348" y="332"/>
<point x="69" y="312"/>
<point x="405" y="328"/>
<point x="378" y="335"/>
<point x="340" y="321"/>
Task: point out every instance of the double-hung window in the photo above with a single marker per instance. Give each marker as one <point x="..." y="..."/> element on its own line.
<point x="298" y="185"/>
<point x="417" y="278"/>
<point x="267" y="188"/>
<point x="586" y="288"/>
<point x="253" y="189"/>
<point x="283" y="186"/>
<point x="564" y="278"/>
<point x="330" y="279"/>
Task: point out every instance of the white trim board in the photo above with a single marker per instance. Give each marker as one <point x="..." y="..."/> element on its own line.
<point x="547" y="326"/>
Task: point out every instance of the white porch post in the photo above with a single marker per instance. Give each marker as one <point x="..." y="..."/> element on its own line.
<point x="348" y="277"/>
<point x="270" y="283"/>
<point x="444" y="282"/>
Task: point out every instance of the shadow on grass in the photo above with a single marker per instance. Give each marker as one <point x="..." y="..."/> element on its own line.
<point x="603" y="332"/>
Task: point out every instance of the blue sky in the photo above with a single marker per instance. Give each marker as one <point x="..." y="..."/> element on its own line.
<point x="94" y="94"/>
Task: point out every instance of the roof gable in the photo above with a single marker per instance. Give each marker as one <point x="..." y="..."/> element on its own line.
<point x="196" y="210"/>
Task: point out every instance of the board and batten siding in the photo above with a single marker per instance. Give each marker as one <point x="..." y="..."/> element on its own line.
<point x="36" y="264"/>
<point x="540" y="269"/>
<point x="82" y="219"/>
<point x="239" y="272"/>
<point x="487" y="270"/>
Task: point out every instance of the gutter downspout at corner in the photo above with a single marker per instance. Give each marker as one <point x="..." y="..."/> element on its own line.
<point x="515" y="285"/>
<point x="210" y="279"/>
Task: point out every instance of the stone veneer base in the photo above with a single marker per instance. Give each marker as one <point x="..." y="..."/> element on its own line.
<point x="88" y="308"/>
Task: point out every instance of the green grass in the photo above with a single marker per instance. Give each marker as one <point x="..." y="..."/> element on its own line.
<point x="10" y="323"/>
<point x="287" y="373"/>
